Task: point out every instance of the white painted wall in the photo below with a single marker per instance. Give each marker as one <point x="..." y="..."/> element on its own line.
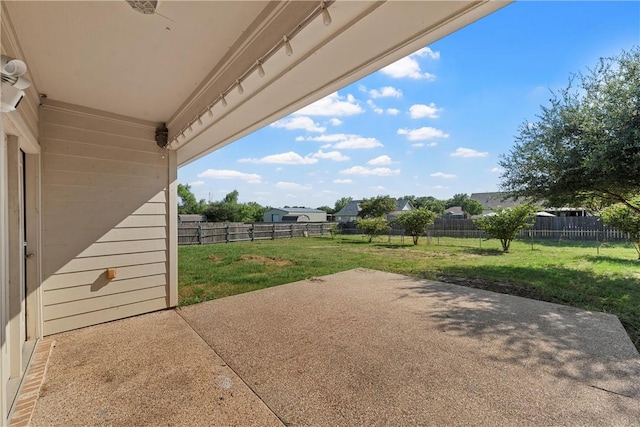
<point x="106" y="204"/>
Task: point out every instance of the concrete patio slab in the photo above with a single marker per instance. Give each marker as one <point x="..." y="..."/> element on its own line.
<point x="148" y="370"/>
<point x="356" y="348"/>
<point x="370" y="348"/>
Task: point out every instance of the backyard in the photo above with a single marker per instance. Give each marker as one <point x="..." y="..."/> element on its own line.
<point x="602" y="278"/>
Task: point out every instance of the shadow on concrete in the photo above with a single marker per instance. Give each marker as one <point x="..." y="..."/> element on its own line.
<point x="566" y="342"/>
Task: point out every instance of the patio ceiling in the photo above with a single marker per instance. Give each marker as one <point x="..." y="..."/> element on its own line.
<point x="172" y="70"/>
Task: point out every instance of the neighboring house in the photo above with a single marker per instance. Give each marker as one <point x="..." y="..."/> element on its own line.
<point x="118" y="101"/>
<point x="454" y="212"/>
<point x="295" y="215"/>
<point x="494" y="201"/>
<point x="402" y="206"/>
<point x="191" y="218"/>
<point x="497" y="200"/>
<point x="349" y="213"/>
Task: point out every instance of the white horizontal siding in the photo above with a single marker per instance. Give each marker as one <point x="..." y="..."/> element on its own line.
<point x="104" y="206"/>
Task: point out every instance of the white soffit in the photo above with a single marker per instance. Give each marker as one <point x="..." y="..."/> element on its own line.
<point x="105" y="55"/>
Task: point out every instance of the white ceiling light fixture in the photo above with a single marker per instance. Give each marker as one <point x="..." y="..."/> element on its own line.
<point x="326" y="17"/>
<point x="146" y="7"/>
<point x="287" y="46"/>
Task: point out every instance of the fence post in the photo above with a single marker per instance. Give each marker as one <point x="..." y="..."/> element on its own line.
<point x="199" y="234"/>
<point x="273" y="231"/>
<point x="251" y="230"/>
<point x="291" y="230"/>
<point x="226" y="233"/>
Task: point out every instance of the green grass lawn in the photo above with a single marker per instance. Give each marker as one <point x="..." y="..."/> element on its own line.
<point x="567" y="273"/>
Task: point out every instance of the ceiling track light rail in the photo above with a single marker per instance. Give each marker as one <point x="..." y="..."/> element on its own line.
<point x="321" y="10"/>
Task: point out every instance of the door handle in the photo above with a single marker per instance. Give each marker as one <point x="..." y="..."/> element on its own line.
<point x="29" y="255"/>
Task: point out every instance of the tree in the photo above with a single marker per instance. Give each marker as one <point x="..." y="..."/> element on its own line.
<point x="416" y="222"/>
<point x="586" y="144"/>
<point x="431" y="203"/>
<point x="472" y="207"/>
<point x="252" y="212"/>
<point x="327" y="209"/>
<point x="506" y="223"/>
<point x="624" y="219"/>
<point x="373" y="227"/>
<point x="341" y="203"/>
<point x="187" y="203"/>
<point x="232" y="197"/>
<point x="376" y="207"/>
<point x="457" y="200"/>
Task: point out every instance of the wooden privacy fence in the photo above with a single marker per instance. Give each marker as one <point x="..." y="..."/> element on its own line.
<point x="216" y="232"/>
<point x="559" y="228"/>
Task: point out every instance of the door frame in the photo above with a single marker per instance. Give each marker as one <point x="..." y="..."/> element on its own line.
<point x="19" y="275"/>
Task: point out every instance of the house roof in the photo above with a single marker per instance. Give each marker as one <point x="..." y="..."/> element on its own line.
<point x="299" y="210"/>
<point x="401" y="204"/>
<point x="495" y="200"/>
<point x="350" y="209"/>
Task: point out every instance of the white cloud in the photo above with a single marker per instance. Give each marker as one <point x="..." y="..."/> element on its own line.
<point x="357" y="143"/>
<point x="335" y="122"/>
<point x="418" y="144"/>
<point x="336" y="156"/>
<point x="196" y="183"/>
<point x="443" y="175"/>
<point x="361" y="170"/>
<point x="251" y="178"/>
<point x="385" y="92"/>
<point x="468" y="152"/>
<point x="380" y="160"/>
<point x="282" y="185"/>
<point x="422" y="133"/>
<point x="374" y="107"/>
<point x="332" y="105"/>
<point x="409" y="66"/>
<point x="393" y="111"/>
<point x="362" y="88"/>
<point x="332" y="137"/>
<point x="343" y="181"/>
<point x="288" y="158"/>
<point x="419" y="111"/>
<point x="426" y="51"/>
<point x="300" y="122"/>
<point x="378" y="188"/>
<point x="497" y="169"/>
<point x="345" y="141"/>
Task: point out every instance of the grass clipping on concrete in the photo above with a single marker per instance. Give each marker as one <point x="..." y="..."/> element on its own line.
<point x="605" y="279"/>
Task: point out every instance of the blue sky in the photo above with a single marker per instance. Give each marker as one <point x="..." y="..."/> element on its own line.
<point x="432" y="124"/>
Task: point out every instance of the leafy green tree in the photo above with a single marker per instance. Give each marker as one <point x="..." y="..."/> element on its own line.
<point x="506" y="223"/>
<point x="457" y="200"/>
<point x="472" y="207"/>
<point x="252" y="212"/>
<point x="624" y="219"/>
<point x="341" y="203"/>
<point x="376" y="206"/>
<point x="327" y="209"/>
<point x="416" y="222"/>
<point x="373" y="227"/>
<point x="586" y="143"/>
<point x="431" y="203"/>
<point x="232" y="197"/>
<point x="223" y="212"/>
<point x="187" y="203"/>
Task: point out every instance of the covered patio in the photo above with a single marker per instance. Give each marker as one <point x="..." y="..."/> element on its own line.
<point x="360" y="347"/>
